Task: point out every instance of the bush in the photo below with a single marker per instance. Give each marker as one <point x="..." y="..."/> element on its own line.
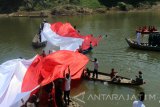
<point x="22" y="8"/>
<point x="76" y="2"/>
<point x="122" y="6"/>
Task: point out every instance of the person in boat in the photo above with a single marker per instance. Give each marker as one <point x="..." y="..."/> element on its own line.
<point x="75" y="27"/>
<point x="90" y="46"/>
<point x="67" y="87"/>
<point x="139" y="78"/>
<point x="140" y="29"/>
<point x="119" y="79"/>
<point x="80" y="49"/>
<point x="116" y="79"/>
<point x="143" y="29"/>
<point x="41" y="28"/>
<point x="154" y="29"/>
<point x="140" y="74"/>
<point x="95" y="72"/>
<point x="149" y="28"/>
<point x="113" y="73"/>
<point x="138" y="37"/>
<point x="86" y="73"/>
<point x="43" y="53"/>
<point x="150" y="40"/>
<point x="139" y="102"/>
<point x="49" y="52"/>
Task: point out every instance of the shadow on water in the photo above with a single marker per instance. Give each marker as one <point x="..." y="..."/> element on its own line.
<point x="151" y="55"/>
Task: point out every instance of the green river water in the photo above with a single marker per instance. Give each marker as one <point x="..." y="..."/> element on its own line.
<point x="16" y="35"/>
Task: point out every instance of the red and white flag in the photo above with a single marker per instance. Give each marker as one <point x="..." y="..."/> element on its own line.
<point x="61" y="36"/>
<point x="19" y="77"/>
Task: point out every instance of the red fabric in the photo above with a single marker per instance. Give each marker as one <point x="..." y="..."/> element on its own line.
<point x="66" y="30"/>
<point x="90" y="39"/>
<point x="44" y="70"/>
<point x="95" y="41"/>
<point x="33" y="76"/>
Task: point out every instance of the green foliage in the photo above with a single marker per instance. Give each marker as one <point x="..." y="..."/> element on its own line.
<point x="7" y="6"/>
<point x="122" y="6"/>
<point x="135" y="3"/>
<point x="109" y="3"/>
<point x="75" y="2"/>
<point x="90" y="3"/>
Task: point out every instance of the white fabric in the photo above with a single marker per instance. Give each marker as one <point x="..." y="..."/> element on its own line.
<point x="11" y="76"/>
<point x="67" y="84"/>
<point x="64" y="43"/>
<point x="50" y="47"/>
<point x="139" y="38"/>
<point x="138" y="104"/>
<point x="96" y="65"/>
<point x="43" y="39"/>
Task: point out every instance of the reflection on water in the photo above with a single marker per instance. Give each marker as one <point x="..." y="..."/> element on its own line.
<point x="113" y="52"/>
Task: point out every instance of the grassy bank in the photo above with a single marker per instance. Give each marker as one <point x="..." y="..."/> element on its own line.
<point x="72" y="7"/>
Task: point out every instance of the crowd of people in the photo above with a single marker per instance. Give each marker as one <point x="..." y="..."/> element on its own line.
<point x="153" y="39"/>
<point x="147" y="29"/>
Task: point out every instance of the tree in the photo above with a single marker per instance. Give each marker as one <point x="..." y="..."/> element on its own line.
<point x="7" y="6"/>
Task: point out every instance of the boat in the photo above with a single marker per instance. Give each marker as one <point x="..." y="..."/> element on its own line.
<point x="36" y="42"/>
<point x="87" y="50"/>
<point x="38" y="16"/>
<point x="143" y="46"/>
<point x="105" y="77"/>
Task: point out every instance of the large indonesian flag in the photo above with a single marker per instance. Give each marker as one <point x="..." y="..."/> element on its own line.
<point x="61" y="36"/>
<point x="19" y="77"/>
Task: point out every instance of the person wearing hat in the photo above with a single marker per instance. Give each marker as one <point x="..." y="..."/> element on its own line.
<point x="139" y="102"/>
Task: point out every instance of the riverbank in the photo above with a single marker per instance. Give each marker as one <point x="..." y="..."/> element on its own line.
<point x="69" y="10"/>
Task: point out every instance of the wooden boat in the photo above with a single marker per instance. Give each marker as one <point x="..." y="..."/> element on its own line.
<point x="38" y="16"/>
<point x="105" y="77"/>
<point x="87" y="51"/>
<point x="143" y="46"/>
<point x="36" y="42"/>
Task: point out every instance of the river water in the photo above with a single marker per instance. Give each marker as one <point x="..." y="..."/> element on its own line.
<point x="112" y="52"/>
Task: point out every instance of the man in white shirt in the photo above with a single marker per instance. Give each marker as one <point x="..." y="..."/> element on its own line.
<point x="139" y="103"/>
<point x="95" y="68"/>
<point x="67" y="87"/>
<point x="138" y="38"/>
